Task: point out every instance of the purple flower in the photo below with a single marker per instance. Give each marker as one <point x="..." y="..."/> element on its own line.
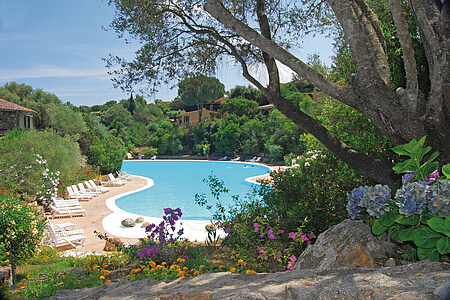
<point x="271" y="236"/>
<point x="304" y="238"/>
<point x="256" y="227"/>
<point x="167" y="211"/>
<point x="280" y="231"/>
<point x="260" y="250"/>
<point x="262" y="234"/>
<point x="228" y="230"/>
<point x="311" y="235"/>
<point x="293" y="258"/>
<point x="432" y="177"/>
<point x="277" y="256"/>
<point x="290" y="267"/>
<point x="223" y="248"/>
<point x="292" y="235"/>
<point x="407" y="177"/>
<point x="266" y="256"/>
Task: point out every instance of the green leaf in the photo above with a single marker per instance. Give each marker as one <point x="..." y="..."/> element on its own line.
<point x="405" y="167"/>
<point x="388" y="218"/>
<point x="395" y="234"/>
<point x="406" y="234"/>
<point x="429" y="168"/>
<point x="426" y="237"/>
<point x="400" y="149"/>
<point x="446" y="170"/>
<point x="443" y="245"/>
<point x="427" y="253"/>
<point x="438" y="224"/>
<point x="378" y="228"/>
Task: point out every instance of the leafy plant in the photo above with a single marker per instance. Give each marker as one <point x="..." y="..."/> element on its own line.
<point x="419" y="212"/>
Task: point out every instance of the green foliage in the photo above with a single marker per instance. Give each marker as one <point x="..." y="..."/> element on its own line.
<point x="22" y="174"/>
<point x="419" y="213"/>
<point x="107" y="154"/>
<point x="200" y="89"/>
<point x="21" y="230"/>
<point x="227" y="139"/>
<point x="414" y="149"/>
<point x="315" y="189"/>
<point x="240" y="106"/>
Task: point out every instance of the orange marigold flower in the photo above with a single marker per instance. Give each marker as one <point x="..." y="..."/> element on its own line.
<point x="232" y="269"/>
<point x="249" y="271"/>
<point x="102" y="277"/>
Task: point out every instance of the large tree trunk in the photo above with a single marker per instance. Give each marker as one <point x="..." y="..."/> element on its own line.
<point x="401" y="115"/>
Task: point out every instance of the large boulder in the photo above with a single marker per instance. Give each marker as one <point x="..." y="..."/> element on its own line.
<point x="348" y="244"/>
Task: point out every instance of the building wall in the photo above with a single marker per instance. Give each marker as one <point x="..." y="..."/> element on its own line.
<point x="9" y="119"/>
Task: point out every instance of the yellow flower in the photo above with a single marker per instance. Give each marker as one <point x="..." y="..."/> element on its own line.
<point x="185" y="268"/>
<point x="118" y="279"/>
<point x="232" y="269"/>
<point x="240" y="261"/>
<point x="163" y="263"/>
<point x="61" y="283"/>
<point x="196" y="273"/>
<point x="135" y="270"/>
<point x="108" y="280"/>
<point x="201" y="266"/>
<point x="95" y="267"/>
<point x="152" y="263"/>
<point x="249" y="271"/>
<point x="180" y="274"/>
<point x="221" y="266"/>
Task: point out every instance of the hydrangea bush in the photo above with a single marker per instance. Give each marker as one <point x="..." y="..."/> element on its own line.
<point x="419" y="211"/>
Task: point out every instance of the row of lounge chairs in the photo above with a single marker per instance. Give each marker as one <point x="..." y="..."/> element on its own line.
<point x="64" y="234"/>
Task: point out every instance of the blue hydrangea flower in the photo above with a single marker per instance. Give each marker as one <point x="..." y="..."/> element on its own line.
<point x="438" y="197"/>
<point x="407" y="177"/>
<point x="374" y="200"/>
<point x="411" y="198"/>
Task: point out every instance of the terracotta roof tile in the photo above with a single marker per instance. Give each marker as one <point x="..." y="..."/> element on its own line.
<point x="6" y="105"/>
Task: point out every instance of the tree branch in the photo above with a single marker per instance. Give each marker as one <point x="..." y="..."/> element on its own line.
<point x="412" y="84"/>
<point x="218" y="11"/>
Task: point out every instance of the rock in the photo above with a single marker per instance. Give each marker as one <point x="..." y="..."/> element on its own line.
<point x="422" y="280"/>
<point x="128" y="222"/>
<point x="139" y="220"/>
<point x="390" y="262"/>
<point x="145" y="224"/>
<point x="348" y="244"/>
<point x="112" y="243"/>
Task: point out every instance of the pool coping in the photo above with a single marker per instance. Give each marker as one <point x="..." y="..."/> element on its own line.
<point x="193" y="229"/>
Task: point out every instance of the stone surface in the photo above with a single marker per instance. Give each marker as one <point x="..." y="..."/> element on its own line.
<point x="348" y="244"/>
<point x="139" y="220"/>
<point x="5" y="275"/>
<point x="128" y="222"/>
<point x="110" y="245"/>
<point x="390" y="262"/>
<point x="422" y="280"/>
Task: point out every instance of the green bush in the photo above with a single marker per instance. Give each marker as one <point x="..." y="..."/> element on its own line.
<point x="31" y="161"/>
<point x="315" y="188"/>
<point x="107" y="153"/>
<point x="21" y="230"/>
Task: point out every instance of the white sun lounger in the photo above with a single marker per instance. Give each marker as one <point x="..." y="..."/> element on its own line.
<point x="58" y="238"/>
<point x="102" y="189"/>
<point x="73" y="195"/>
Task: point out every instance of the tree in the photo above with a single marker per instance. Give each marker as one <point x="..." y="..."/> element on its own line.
<point x="179" y="37"/>
<point x="198" y="90"/>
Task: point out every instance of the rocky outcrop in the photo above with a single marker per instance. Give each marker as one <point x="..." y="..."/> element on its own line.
<point x="422" y="280"/>
<point x="348" y="244"/>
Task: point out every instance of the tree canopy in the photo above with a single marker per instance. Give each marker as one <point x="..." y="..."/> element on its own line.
<point x="180" y="38"/>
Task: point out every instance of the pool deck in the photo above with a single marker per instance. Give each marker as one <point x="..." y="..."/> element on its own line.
<point x="100" y="216"/>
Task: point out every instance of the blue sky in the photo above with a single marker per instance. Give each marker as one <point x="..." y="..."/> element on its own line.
<point x="58" y="46"/>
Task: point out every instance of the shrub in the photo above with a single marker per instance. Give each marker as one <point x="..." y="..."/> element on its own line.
<point x="315" y="188"/>
<point x="21" y="230"/>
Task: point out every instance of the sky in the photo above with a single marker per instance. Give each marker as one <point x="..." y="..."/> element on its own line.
<point x="58" y="46"/>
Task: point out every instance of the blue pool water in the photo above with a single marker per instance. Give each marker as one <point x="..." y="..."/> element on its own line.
<point x="177" y="182"/>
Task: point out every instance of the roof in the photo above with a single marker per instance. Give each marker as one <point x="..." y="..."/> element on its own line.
<point x="193" y="112"/>
<point x="221" y="100"/>
<point x="6" y="105"/>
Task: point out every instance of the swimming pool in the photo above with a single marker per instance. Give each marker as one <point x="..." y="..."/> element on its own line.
<point x="177" y="182"/>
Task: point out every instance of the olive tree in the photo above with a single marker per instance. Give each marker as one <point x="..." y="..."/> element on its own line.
<point x="180" y="37"/>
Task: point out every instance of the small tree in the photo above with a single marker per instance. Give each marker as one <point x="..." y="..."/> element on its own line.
<point x="21" y="231"/>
